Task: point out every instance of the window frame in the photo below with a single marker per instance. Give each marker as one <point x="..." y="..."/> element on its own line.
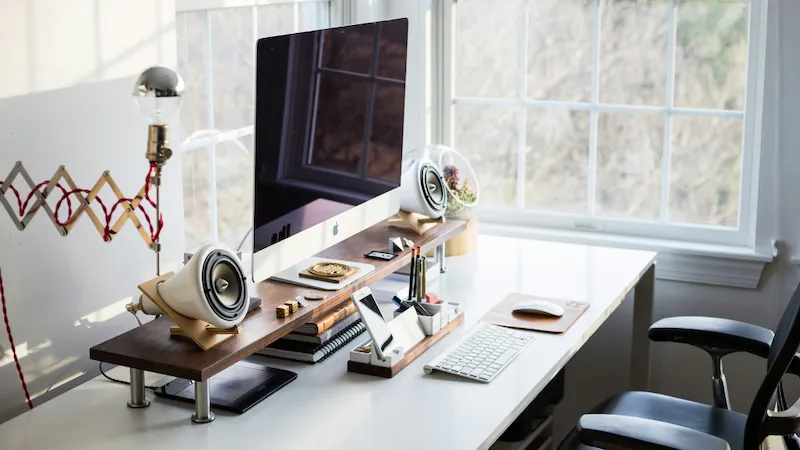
<point x="209" y="138"/>
<point x="443" y="37"/>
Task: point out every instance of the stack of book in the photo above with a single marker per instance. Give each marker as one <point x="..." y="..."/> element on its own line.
<point x="316" y="341"/>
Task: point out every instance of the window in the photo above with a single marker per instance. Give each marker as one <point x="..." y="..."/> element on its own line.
<point x="636" y="117"/>
<point x="216" y="57"/>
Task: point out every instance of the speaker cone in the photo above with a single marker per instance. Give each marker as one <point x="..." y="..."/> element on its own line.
<point x="223" y="285"/>
<point x="432" y="184"/>
<point x="423" y="190"/>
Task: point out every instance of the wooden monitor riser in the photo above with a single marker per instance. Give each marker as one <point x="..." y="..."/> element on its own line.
<point x="151" y="348"/>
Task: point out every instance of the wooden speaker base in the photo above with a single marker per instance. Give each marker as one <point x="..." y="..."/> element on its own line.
<point x="411" y="355"/>
<point x="200" y="332"/>
<point x="178" y="331"/>
<point x="417" y="222"/>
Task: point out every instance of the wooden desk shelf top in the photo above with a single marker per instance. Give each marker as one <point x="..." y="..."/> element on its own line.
<point x="149" y="347"/>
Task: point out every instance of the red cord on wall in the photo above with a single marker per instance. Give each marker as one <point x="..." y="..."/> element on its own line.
<point x="11" y="341"/>
<point x="23" y="205"/>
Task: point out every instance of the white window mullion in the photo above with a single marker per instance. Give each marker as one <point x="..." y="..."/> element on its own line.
<point x="594" y="117"/>
<point x="442" y="84"/>
<point x="666" y="158"/>
<point x="211" y="150"/>
<point x="255" y="33"/>
<point x="206" y="5"/>
<point x="522" y="115"/>
<point x="752" y="139"/>
<point x="343" y="12"/>
<point x="602" y="107"/>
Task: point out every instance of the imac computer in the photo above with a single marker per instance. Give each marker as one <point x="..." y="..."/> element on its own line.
<point x="328" y="138"/>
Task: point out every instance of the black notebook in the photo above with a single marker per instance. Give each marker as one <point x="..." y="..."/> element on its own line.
<point x="312" y="353"/>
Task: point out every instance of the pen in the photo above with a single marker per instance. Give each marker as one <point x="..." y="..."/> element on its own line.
<point x="424" y="279"/>
<point x="420" y="280"/>
<point x="411" y="275"/>
<point x="417" y="278"/>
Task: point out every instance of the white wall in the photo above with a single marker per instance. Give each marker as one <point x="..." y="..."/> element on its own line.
<point x="65" y="99"/>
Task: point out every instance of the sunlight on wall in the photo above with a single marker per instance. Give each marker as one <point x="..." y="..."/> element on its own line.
<point x="23" y="351"/>
<point x="38" y="51"/>
<point x="107" y="312"/>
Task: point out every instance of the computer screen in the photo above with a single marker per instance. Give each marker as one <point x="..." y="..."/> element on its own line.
<point x="329" y="124"/>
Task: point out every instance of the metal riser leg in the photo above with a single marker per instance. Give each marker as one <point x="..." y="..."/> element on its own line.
<point x="202" y="402"/>
<point x="440" y="256"/>
<point x="138" y="398"/>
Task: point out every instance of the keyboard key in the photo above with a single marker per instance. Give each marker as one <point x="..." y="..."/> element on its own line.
<point x="456" y="368"/>
<point x="505" y="357"/>
<point x="476" y="371"/>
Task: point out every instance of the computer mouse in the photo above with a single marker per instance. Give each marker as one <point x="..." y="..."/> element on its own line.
<point x="539" y="308"/>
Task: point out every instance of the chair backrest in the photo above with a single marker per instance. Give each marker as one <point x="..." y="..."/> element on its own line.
<point x="783" y="348"/>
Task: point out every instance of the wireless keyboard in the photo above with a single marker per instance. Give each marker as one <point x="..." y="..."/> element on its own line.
<point x="482" y="353"/>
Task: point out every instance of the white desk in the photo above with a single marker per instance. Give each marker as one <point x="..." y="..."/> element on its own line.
<point x="327" y="407"/>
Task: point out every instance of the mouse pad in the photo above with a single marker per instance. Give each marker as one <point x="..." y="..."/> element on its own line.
<point x="502" y="314"/>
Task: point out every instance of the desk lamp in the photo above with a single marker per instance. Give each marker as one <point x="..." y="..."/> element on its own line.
<point x="158" y="92"/>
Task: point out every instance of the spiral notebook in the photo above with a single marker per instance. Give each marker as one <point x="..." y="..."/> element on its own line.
<point x="312" y="353"/>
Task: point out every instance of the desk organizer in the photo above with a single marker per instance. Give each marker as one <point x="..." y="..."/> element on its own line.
<point x="418" y="334"/>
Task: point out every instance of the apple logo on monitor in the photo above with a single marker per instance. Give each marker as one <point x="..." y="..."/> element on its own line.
<point x="336" y="229"/>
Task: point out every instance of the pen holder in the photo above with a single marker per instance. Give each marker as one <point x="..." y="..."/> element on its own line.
<point x="431" y="324"/>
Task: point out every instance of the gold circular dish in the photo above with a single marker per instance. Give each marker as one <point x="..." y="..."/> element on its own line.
<point x="330" y="269"/>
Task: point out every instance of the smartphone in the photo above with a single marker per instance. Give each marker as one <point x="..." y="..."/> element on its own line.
<point x="373" y="319"/>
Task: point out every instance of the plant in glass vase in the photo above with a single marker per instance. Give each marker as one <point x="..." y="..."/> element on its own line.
<point x="462" y="198"/>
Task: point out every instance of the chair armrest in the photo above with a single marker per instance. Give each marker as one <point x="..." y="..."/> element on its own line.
<point x="729" y="336"/>
<point x="634" y="433"/>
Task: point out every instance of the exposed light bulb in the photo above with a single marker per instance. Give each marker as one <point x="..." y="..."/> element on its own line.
<point x="158" y="92"/>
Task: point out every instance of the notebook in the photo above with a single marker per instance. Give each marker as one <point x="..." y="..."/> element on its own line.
<point x="312" y="353"/>
<point x="326" y="335"/>
<point x="327" y="321"/>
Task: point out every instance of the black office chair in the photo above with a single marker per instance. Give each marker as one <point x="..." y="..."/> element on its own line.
<point x="649" y="421"/>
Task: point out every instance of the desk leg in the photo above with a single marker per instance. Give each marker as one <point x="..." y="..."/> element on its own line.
<point x="138" y="397"/>
<point x="441" y="259"/>
<point x="643" y="298"/>
<point x="202" y="402"/>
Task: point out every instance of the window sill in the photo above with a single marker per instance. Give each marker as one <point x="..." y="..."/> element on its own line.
<point x="688" y="262"/>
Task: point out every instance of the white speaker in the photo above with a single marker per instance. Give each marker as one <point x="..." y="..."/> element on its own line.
<point x="211" y="287"/>
<point x="423" y="190"/>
